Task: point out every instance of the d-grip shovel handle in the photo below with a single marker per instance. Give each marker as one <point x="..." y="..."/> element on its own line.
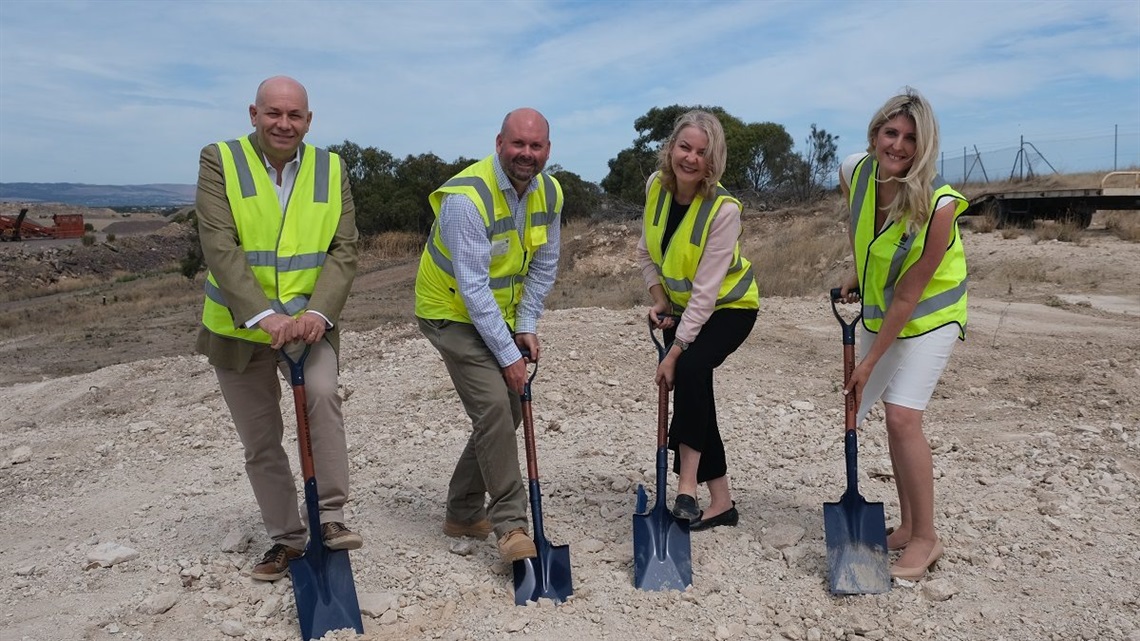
<point x="662" y="389"/>
<point x="849" y="401"/>
<point x="528" y="422"/>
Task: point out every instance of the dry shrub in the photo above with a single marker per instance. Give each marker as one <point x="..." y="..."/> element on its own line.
<point x="1064" y="231"/>
<point x="391" y="245"/>
<point x="1029" y="270"/>
<point x="1125" y="225"/>
<point x="983" y="224"/>
<point x="805" y="254"/>
<point x="1011" y="232"/>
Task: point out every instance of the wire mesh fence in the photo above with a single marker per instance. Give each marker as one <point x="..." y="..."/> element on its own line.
<point x="1028" y="157"/>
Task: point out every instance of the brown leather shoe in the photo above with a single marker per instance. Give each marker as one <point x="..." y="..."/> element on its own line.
<point x="479" y="529"/>
<point x="516" y="545"/>
<point x="275" y="563"/>
<point x="338" y="537"/>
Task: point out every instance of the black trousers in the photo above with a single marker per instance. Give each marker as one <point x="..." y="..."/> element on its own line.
<point x="694" y="404"/>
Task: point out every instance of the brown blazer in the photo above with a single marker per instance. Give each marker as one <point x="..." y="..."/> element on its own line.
<point x="226" y="259"/>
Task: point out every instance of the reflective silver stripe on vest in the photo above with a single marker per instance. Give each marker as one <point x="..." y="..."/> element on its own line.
<point x="901" y="251"/>
<point x="935" y="303"/>
<point x="292" y="307"/>
<point x="703" y="216"/>
<point x="741" y="288"/>
<point x="503" y="282"/>
<point x="241" y="164"/>
<point x="673" y="284"/>
<point x="301" y="262"/>
<point x="551" y="198"/>
<point x="860" y="193"/>
<point x="287" y="264"/>
<point x="437" y="257"/>
<point x="541" y="218"/>
<point x="321" y="177"/>
<point x="660" y="209"/>
<point x="500" y="226"/>
<point x="245" y="174"/>
<point x="480" y="187"/>
<point x="261" y="258"/>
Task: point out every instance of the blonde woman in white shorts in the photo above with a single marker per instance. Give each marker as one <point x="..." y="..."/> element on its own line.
<point x="910" y="270"/>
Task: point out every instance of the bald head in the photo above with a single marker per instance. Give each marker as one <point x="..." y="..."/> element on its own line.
<point x="523" y="145"/>
<point x="280" y="84"/>
<point x="280" y="117"/>
<point x="525" y="115"/>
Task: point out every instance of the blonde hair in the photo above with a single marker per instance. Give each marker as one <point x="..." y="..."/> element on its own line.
<point x="716" y="154"/>
<point x="912" y="203"/>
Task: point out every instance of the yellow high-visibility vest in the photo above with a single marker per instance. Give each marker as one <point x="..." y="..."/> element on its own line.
<point x="437" y="290"/>
<point x="677" y="265"/>
<point x="285" y="251"/>
<point x="881" y="260"/>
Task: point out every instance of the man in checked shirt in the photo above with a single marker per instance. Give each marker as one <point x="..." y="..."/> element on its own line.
<point x="486" y="269"/>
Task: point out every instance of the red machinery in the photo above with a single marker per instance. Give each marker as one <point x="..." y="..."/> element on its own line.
<point x="18" y="228"/>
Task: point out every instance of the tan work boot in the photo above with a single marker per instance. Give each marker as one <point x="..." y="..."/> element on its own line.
<point x="516" y="545"/>
<point x="479" y="529"/>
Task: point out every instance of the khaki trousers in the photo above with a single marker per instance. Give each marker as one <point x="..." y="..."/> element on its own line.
<point x="488" y="469"/>
<point x="254" y="399"/>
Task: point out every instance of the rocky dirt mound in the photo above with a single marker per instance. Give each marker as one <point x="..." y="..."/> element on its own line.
<point x="41" y="263"/>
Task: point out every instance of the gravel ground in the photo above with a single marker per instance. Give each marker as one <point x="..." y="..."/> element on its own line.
<point x="128" y="515"/>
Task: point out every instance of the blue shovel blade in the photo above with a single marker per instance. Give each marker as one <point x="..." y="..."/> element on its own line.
<point x="324" y="591"/>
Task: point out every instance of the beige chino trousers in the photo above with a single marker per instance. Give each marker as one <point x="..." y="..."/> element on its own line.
<point x="486" y="481"/>
<point x="254" y="399"/>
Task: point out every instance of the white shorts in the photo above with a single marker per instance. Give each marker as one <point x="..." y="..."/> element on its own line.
<point x="907" y="373"/>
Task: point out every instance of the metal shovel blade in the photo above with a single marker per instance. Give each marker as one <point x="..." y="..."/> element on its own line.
<point x="662" y="555"/>
<point x="856" y="534"/>
<point x="548" y="574"/>
<point x="322" y="584"/>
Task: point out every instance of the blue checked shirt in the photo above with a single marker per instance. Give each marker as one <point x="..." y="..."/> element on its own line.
<point x="465" y="235"/>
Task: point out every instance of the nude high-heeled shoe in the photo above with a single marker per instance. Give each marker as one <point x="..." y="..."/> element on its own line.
<point x="916" y="573"/>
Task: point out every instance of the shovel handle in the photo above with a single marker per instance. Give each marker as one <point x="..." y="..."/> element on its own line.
<point x="849" y="401"/>
<point x="300" y="403"/>
<point x="662" y="389"/>
<point x="528" y="422"/>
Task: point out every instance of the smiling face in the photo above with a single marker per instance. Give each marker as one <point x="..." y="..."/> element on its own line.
<point x="280" y="117"/>
<point x="687" y="159"/>
<point x="896" y="144"/>
<point x="523" y="146"/>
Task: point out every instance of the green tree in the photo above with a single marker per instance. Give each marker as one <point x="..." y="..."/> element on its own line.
<point x="813" y="169"/>
<point x="757" y="154"/>
<point x="580" y="198"/>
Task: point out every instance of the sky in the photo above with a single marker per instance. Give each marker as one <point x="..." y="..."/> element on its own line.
<point x="127" y="92"/>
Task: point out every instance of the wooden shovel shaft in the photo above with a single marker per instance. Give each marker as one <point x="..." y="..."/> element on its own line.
<point x="662" y="414"/>
<point x="849" y="400"/>
<point x="528" y="437"/>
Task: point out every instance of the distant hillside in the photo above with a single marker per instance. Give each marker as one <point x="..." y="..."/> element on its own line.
<point x="98" y="195"/>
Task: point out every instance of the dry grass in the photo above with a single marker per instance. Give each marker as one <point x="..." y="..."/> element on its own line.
<point x="1125" y="225"/>
<point x="983" y="224"/>
<point x="1010" y="233"/>
<point x="62" y="286"/>
<point x="106" y="305"/>
<point x="389" y="247"/>
<point x="1064" y="231"/>
<point x="801" y="252"/>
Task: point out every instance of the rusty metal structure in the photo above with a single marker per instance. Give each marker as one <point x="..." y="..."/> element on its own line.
<point x="20" y="228"/>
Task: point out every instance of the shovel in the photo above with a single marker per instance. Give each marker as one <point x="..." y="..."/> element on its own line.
<point x="855" y="530"/>
<point x="548" y="574"/>
<point x="662" y="552"/>
<point x="322" y="578"/>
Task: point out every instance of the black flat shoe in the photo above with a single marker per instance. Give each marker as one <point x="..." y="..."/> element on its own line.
<point x="727" y="517"/>
<point x="685" y="507"/>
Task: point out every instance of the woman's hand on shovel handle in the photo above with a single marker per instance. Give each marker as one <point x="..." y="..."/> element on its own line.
<point x="667" y="368"/>
<point x="859" y="378"/>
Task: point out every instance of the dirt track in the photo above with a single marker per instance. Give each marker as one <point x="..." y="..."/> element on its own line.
<point x="1035" y="430"/>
